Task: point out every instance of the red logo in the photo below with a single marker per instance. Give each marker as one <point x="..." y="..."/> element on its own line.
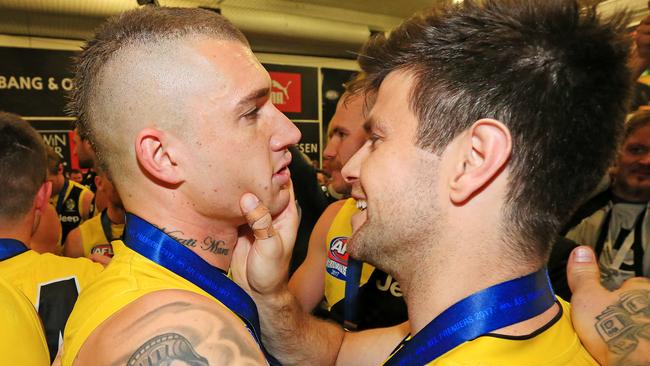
<point x="286" y="91"/>
<point x="103" y="249"/>
<point x="338" y="250"/>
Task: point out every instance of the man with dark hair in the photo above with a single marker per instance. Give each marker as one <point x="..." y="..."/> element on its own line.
<point x="178" y="111"/>
<point x="51" y="283"/>
<point x="72" y="201"/>
<point x="76" y="176"/>
<point x="616" y="223"/>
<point x="464" y="183"/>
<point x="93" y="238"/>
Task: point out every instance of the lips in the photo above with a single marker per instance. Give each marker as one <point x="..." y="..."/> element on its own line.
<point x="282" y="175"/>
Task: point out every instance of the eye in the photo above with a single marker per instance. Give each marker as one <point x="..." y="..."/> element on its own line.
<point x="374" y="140"/>
<point x="252" y="114"/>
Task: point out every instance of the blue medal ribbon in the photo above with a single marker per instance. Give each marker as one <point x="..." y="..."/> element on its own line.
<point x="153" y="244"/>
<point x="64" y="190"/>
<point x="490" y="309"/>
<point x="351" y="303"/>
<point x="11" y="248"/>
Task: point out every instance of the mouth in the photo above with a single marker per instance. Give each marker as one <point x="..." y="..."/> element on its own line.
<point x="282" y="175"/>
<point x="362" y="204"/>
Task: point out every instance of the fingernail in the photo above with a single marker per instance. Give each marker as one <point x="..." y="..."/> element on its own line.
<point x="249" y="202"/>
<point x="583" y="255"/>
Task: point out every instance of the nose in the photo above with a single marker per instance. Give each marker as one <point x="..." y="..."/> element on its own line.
<point x="330" y="148"/>
<point x="351" y="170"/>
<point x="286" y="134"/>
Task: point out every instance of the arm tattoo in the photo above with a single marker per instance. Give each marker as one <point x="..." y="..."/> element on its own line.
<point x="164" y="349"/>
<point x="625" y="325"/>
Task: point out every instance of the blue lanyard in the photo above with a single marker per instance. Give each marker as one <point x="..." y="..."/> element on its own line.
<point x="490" y="309"/>
<point x="351" y="304"/>
<point x="155" y="245"/>
<point x="11" y="248"/>
<point x="59" y="203"/>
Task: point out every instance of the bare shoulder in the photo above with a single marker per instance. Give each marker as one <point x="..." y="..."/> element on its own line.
<point x="171" y="326"/>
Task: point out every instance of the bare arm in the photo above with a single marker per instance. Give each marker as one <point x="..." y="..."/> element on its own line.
<point x="613" y="326"/>
<point x="73" y="246"/>
<point x="293" y="336"/>
<point x="86" y="204"/>
<point x="308" y="282"/>
<point x="169" y="327"/>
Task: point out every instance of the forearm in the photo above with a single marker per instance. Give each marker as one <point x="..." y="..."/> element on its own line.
<point x="295" y="337"/>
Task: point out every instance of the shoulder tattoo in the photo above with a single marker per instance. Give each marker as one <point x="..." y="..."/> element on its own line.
<point x="164" y="349"/>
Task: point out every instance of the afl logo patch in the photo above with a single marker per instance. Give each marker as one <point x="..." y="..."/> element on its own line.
<point x="337" y="257"/>
<point x="103" y="249"/>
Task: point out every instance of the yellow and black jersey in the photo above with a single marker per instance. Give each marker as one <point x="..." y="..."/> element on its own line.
<point x="379" y="301"/>
<point x="68" y="204"/>
<point x="555" y="344"/>
<point x="128" y="277"/>
<point x="22" y="341"/>
<point x="52" y="284"/>
<point x="98" y="233"/>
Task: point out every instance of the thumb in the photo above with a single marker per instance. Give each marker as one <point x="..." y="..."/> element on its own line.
<point x="582" y="270"/>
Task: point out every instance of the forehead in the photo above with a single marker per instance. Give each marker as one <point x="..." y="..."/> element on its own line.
<point x="640" y="136"/>
<point x="392" y="106"/>
<point x="349" y="112"/>
<point x="230" y="64"/>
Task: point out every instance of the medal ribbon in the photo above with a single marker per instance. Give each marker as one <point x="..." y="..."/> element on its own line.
<point x="490" y="309"/>
<point x="160" y="248"/>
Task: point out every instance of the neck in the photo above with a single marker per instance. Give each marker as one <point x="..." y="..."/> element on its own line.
<point x="211" y="241"/>
<point x="21" y="230"/>
<point x="57" y="184"/>
<point x="115" y="213"/>
<point x="442" y="284"/>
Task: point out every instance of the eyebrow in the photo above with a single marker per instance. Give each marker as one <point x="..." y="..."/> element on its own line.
<point x="259" y="93"/>
<point x="372" y="123"/>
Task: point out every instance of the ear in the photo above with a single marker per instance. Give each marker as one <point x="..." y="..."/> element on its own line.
<point x="484" y="152"/>
<point x="157" y="155"/>
<point x="99" y="182"/>
<point x="43" y="196"/>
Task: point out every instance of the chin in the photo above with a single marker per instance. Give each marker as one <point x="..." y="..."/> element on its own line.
<point x="279" y="202"/>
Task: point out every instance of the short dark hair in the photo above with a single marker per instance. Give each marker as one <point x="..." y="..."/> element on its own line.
<point x="54" y="161"/>
<point x="553" y="73"/>
<point x="22" y="166"/>
<point x="138" y="27"/>
<point x="639" y="119"/>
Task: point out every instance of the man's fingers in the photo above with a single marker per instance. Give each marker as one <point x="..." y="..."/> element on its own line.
<point x="582" y="270"/>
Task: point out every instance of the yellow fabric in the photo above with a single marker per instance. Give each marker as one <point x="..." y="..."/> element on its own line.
<point x="556" y="346"/>
<point x="128" y="277"/>
<point x="29" y="270"/>
<point x="341" y="227"/>
<point x="82" y="197"/>
<point x="22" y="341"/>
<point x="92" y="235"/>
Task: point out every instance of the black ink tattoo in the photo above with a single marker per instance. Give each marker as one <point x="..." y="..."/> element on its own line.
<point x="215" y="246"/>
<point x="176" y="235"/>
<point x="164" y="349"/>
<point x="626" y="323"/>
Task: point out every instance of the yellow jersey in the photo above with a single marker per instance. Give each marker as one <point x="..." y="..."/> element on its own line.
<point x="22" y="341"/>
<point x="555" y="344"/>
<point x="380" y="302"/>
<point x="127" y="278"/>
<point x="68" y="204"/>
<point x="94" y="236"/>
<point x="52" y="284"/>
